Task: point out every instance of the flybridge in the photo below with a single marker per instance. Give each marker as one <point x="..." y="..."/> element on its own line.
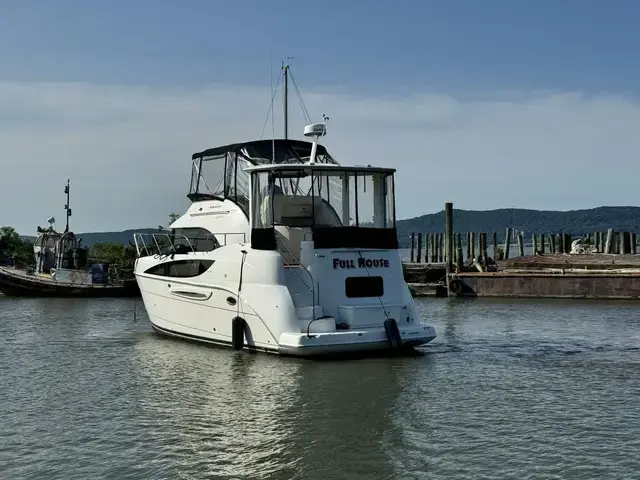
<point x="361" y="263"/>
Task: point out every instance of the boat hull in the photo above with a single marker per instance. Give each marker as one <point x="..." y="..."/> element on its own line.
<point x="212" y="325"/>
<point x="322" y="348"/>
<point x="17" y="283"/>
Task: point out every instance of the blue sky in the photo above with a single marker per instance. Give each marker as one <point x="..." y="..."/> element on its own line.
<point x="454" y="44"/>
<point x="523" y="83"/>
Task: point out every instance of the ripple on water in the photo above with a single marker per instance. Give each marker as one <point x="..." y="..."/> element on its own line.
<point x="507" y="390"/>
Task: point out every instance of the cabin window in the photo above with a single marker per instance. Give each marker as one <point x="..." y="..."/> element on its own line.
<point x="200" y="239"/>
<point x="181" y="268"/>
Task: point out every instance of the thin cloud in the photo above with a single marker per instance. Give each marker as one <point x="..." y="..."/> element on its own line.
<point x="127" y="148"/>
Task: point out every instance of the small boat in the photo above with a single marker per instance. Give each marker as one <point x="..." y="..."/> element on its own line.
<point x="62" y="270"/>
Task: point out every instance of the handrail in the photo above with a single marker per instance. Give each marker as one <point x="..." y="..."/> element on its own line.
<point x="311" y="289"/>
<point x="178" y="240"/>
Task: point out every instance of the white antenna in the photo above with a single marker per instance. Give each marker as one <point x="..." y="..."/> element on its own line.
<point x="316" y="130"/>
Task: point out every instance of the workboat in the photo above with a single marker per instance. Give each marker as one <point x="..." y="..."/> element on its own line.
<point x="62" y="269"/>
<point x="282" y="250"/>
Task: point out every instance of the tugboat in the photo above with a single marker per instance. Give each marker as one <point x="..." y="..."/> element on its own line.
<point x="62" y="270"/>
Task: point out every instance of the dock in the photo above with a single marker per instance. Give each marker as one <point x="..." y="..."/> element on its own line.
<point x="597" y="265"/>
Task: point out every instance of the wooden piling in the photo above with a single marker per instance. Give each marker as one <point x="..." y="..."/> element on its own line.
<point x="413" y="241"/>
<point x="419" y="253"/>
<point x="483" y="248"/>
<point x="626" y="243"/>
<point x="468" y="245"/>
<point x="633" y="240"/>
<point x="521" y="244"/>
<point x="534" y="242"/>
<point x="552" y="243"/>
<point x="607" y="244"/>
<point x="567" y="243"/>
<point x="507" y="243"/>
<point x="559" y="243"/>
<point x="448" y="231"/>
<point x="542" y="242"/>
<point x="473" y="245"/>
<point x="494" y="239"/>
<point x="441" y="251"/>
<point x="459" y="258"/>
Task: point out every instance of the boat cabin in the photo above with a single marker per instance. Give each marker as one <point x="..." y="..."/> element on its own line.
<point x="54" y="250"/>
<point x="220" y="173"/>
<point x="334" y="206"/>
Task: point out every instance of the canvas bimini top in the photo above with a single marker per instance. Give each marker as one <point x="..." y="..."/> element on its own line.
<point x="259" y="152"/>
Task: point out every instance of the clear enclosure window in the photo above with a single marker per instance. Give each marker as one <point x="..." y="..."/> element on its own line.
<point x="316" y="198"/>
<point x="200" y="239"/>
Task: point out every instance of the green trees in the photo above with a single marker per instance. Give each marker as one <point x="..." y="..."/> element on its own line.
<point x="12" y="246"/>
<point x="110" y="252"/>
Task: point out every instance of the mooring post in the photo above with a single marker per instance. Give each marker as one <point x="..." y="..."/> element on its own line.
<point x="473" y="245"/>
<point x="552" y="243"/>
<point x="625" y="244"/>
<point x="413" y="241"/>
<point x="419" y="253"/>
<point x="609" y="241"/>
<point x="507" y="243"/>
<point x="521" y="244"/>
<point x="483" y="240"/>
<point x="448" y="231"/>
<point x="426" y="247"/>
<point x="632" y="239"/>
<point x="459" y="258"/>
<point x="542" y="242"/>
<point x="441" y="247"/>
<point x="567" y="242"/>
<point x="534" y="242"/>
<point x="560" y="242"/>
<point x="434" y="248"/>
<point x="494" y="239"/>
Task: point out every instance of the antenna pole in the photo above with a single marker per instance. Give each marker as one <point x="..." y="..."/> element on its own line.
<point x="66" y="207"/>
<point x="285" y="92"/>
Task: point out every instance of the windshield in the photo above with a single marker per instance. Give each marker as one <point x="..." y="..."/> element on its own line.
<point x="323" y="198"/>
<point x="219" y="173"/>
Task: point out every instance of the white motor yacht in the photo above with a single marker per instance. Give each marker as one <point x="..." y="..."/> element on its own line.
<point x="282" y="250"/>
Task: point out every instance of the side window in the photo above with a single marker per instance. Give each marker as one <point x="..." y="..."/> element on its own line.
<point x="181" y="268"/>
<point x="201" y="239"/>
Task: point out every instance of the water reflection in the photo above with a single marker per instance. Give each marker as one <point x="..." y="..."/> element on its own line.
<point x="228" y="414"/>
<point x="88" y="393"/>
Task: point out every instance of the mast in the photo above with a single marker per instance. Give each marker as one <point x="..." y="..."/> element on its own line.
<point x="285" y="68"/>
<point x="66" y="207"/>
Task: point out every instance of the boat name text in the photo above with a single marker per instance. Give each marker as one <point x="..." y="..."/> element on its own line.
<point x="361" y="263"/>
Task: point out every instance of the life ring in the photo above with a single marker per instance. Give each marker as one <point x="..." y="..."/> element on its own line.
<point x="456" y="285"/>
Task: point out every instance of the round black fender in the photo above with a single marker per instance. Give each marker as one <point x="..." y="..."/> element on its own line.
<point x="237" y="332"/>
<point x="393" y="333"/>
<point x="456" y="286"/>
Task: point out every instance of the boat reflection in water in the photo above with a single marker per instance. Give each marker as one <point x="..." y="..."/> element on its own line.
<point x="219" y="414"/>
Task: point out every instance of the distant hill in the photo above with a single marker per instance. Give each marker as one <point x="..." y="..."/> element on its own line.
<point x="576" y="222"/>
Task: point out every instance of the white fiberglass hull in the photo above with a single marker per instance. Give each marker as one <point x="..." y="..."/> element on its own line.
<point x="299" y="344"/>
<point x="208" y="319"/>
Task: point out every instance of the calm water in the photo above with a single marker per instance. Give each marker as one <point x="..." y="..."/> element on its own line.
<point x="518" y="389"/>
